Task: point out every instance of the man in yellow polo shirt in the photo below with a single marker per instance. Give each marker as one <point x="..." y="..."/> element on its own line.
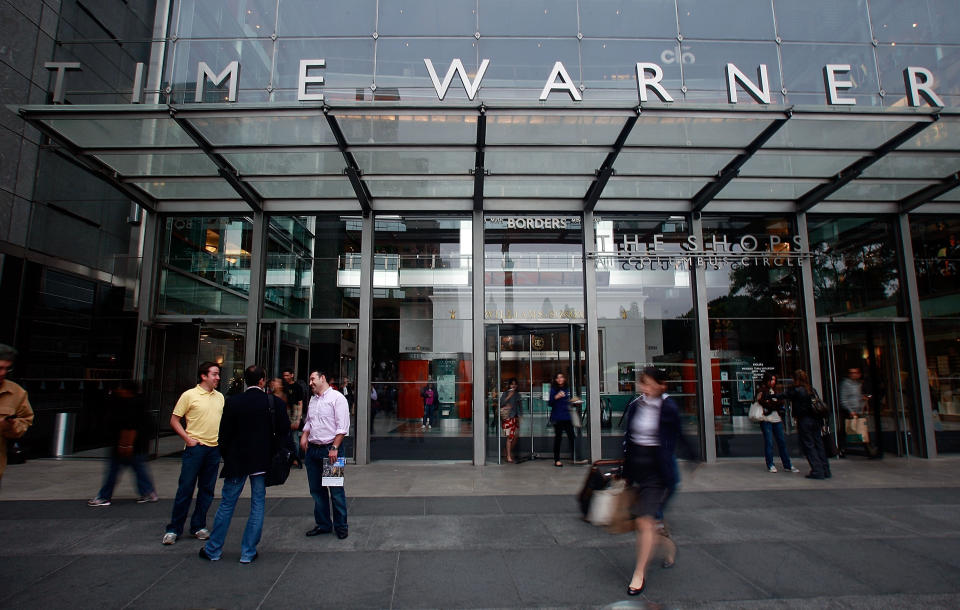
<point x="201" y="408"/>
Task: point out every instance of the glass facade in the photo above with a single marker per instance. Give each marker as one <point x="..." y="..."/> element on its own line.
<point x="413" y="244"/>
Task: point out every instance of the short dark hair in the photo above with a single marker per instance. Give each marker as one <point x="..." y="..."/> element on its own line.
<point x="204" y="368"/>
<point x="321" y="374"/>
<point x="7" y="352"/>
<point x="285" y="371"/>
<point x="253" y="374"/>
<point x="657" y="374"/>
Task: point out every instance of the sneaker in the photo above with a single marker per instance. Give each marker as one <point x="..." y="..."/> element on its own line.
<point x="151" y="497"/>
<point x="201" y="534"/>
<point x="772" y="469"/>
<point x="791" y="469"/>
<point x="169" y="538"/>
<point x="98" y="502"/>
<point x="423" y="426"/>
<point x="429" y="425"/>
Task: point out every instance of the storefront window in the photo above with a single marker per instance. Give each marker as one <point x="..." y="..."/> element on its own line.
<point x="205" y="265"/>
<point x="422" y="339"/>
<point x="936" y="251"/>
<point x="645" y="310"/>
<point x="753" y="281"/>
<point x="313" y="267"/>
<point x="855" y="266"/>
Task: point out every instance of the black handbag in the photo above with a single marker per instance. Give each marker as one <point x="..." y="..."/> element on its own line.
<point x="282" y="458"/>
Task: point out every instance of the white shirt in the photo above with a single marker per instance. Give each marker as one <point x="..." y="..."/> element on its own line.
<point x="645" y="423"/>
<point x="328" y="415"/>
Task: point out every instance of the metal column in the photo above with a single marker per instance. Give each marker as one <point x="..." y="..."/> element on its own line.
<point x="364" y="337"/>
<point x="258" y="260"/>
<point x="709" y="435"/>
<point x="479" y="347"/>
<point x="916" y="334"/>
<point x="146" y="289"/>
<point x="809" y="306"/>
<point x="592" y="337"/>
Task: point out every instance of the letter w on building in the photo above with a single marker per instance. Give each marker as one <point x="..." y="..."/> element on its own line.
<point x="456" y="67"/>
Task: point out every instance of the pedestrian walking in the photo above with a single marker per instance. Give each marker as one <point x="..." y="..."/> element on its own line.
<point x="510" y="415"/>
<point x="772" y="426"/>
<point x="16" y="415"/>
<point x="326" y="427"/>
<point x="650" y="467"/>
<point x="131" y="428"/>
<point x="809" y="425"/>
<point x="253" y="426"/>
<point x="200" y="408"/>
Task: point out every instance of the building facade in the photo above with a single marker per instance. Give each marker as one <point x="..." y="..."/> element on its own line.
<point x="408" y="194"/>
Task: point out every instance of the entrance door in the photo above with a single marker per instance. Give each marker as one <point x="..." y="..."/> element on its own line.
<point x="867" y="371"/>
<point x="533" y="354"/>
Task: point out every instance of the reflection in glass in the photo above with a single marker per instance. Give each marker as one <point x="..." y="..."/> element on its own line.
<point x="941" y="60"/>
<point x="528" y="18"/>
<point x="427" y="18"/>
<point x="732" y="19"/>
<point x="313" y="267"/>
<point x="824" y="20"/>
<point x="704" y="67"/>
<point x="942" y="345"/>
<point x="312" y="18"/>
<point x="919" y="21"/>
<point x="803" y="70"/>
<point x="855" y="266"/>
<point x="348" y="63"/>
<point x="628" y="19"/>
<point x="422" y="338"/>
<point x="250" y="19"/>
<point x="646" y="317"/>
<point x="205" y="265"/>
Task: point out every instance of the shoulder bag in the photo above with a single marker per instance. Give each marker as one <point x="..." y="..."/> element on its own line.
<point x="756" y="413"/>
<point x="279" y="468"/>
<point x="819" y="408"/>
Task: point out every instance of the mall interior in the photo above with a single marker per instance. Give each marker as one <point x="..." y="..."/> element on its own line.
<point x="772" y="189"/>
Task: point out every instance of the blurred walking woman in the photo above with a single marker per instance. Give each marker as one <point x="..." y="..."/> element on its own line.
<point x="650" y="446"/>
<point x="510" y="415"/>
<point x="809" y="425"/>
<point x="560" y="415"/>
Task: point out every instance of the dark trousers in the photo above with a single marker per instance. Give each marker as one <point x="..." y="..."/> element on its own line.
<point x="808" y="429"/>
<point x="198" y="469"/>
<point x="324" y="497"/>
<point x="559" y="427"/>
<point x="139" y="464"/>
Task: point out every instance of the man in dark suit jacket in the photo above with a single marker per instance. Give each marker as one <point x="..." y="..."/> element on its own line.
<point x="253" y="425"/>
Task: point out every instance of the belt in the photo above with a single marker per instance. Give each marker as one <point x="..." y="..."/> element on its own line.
<point x="330" y="444"/>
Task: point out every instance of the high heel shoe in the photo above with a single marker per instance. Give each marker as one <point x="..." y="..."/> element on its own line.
<point x="632" y="591"/>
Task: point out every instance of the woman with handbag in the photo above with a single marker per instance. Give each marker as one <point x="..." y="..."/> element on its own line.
<point x="772" y="424"/>
<point x="560" y="416"/>
<point x="510" y="415"/>
<point x="650" y="444"/>
<point x="809" y="425"/>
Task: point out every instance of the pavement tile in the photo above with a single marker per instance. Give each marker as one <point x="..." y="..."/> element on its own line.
<point x="773" y="498"/>
<point x="196" y="583"/>
<point x="884" y="568"/>
<point x="838" y="522"/>
<point x="19" y="573"/>
<point x="446" y="505"/>
<point x="566" y="577"/>
<point x="78" y="509"/>
<point x="59" y="536"/>
<point x="387" y="506"/>
<point x="459" y="532"/>
<point x="95" y="582"/>
<point x="784" y="570"/>
<point x="920" y="519"/>
<point x="288" y="534"/>
<point x="292" y="507"/>
<point x="944" y="549"/>
<point x="569" y="530"/>
<point x="696" y="576"/>
<point x="734" y="525"/>
<point x="517" y="505"/>
<point x="455" y="579"/>
<point x="346" y="580"/>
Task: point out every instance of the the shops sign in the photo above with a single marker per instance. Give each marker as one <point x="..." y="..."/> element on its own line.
<point x="310" y="81"/>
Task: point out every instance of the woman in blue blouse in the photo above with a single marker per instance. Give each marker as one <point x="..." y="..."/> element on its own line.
<point x="560" y="415"/>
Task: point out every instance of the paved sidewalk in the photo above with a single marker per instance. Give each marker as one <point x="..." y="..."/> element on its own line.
<point x="878" y="535"/>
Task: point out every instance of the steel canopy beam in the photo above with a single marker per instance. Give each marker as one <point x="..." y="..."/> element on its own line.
<point x="352" y="170"/>
<point x="224" y="168"/>
<point x="74" y="155"/>
<point x="478" y="170"/>
<point x="606" y="168"/>
<point x="732" y="170"/>
<point x="912" y="202"/>
<point x="853" y="171"/>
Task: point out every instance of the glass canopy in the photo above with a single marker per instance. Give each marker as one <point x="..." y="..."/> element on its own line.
<point x="378" y="156"/>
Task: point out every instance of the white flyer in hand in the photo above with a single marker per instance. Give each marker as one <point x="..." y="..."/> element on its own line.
<point x="332" y="473"/>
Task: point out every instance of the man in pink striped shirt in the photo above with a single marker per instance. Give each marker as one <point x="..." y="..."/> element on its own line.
<point x="327" y="425"/>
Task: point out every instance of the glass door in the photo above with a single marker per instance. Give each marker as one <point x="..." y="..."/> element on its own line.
<point x="867" y="379"/>
<point x="532" y="355"/>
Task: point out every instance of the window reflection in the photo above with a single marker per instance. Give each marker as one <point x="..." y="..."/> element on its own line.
<point x="528" y="18"/>
<point x="250" y="19"/>
<point x="803" y="70"/>
<point x="918" y="21"/>
<point x="427" y="18"/>
<point x="312" y="18"/>
<point x="824" y="20"/>
<point x="726" y="19"/>
<point x="628" y="18"/>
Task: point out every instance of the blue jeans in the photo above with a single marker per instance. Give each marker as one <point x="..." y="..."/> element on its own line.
<point x="139" y="465"/>
<point x="221" y="521"/>
<point x="770" y="432"/>
<point x="322" y="496"/>
<point x="428" y="415"/>
<point x="198" y="469"/>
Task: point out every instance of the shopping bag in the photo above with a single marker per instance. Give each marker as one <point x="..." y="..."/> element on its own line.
<point x="603" y="503"/>
<point x="600" y="476"/>
<point x="622" y="520"/>
<point x="756" y="413"/>
<point x="857" y="431"/>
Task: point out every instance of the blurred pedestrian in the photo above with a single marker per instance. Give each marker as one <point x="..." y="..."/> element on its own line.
<point x="510" y="415"/>
<point x="131" y="428"/>
<point x="16" y="415"/>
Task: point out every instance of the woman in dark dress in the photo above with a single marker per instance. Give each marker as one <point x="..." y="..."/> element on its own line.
<point x="809" y="425"/>
<point x="560" y="415"/>
<point x="650" y="445"/>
